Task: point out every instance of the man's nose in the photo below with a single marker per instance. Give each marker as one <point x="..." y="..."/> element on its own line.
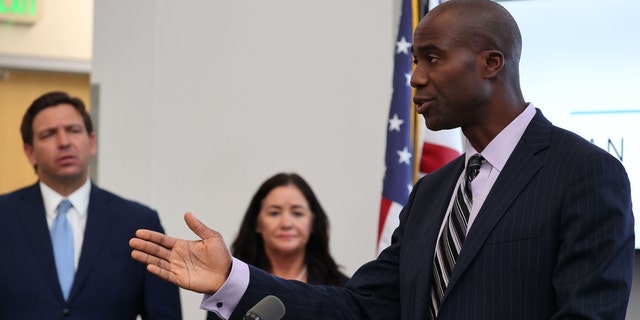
<point x="418" y="78"/>
<point x="63" y="139"/>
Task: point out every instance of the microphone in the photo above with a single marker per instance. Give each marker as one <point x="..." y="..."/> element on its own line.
<point x="269" y="308"/>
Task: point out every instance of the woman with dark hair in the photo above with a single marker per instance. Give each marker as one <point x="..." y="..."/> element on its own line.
<point x="285" y="231"/>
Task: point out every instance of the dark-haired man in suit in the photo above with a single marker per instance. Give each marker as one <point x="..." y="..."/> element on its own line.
<point x="64" y="240"/>
<point x="538" y="226"/>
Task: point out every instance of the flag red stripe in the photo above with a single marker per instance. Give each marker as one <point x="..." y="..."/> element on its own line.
<point x="385" y="204"/>
<point x="435" y="156"/>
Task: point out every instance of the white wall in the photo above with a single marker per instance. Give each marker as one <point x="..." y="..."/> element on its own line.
<point x="202" y="101"/>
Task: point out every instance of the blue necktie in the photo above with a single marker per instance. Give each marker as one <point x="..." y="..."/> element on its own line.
<point x="62" y="238"/>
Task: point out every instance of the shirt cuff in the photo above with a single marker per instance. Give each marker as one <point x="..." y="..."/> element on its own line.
<point x="225" y="300"/>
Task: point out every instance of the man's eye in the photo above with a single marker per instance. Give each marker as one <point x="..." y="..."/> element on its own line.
<point x="415" y="60"/>
<point x="433" y="59"/>
<point x="75" y="129"/>
<point x="46" y="134"/>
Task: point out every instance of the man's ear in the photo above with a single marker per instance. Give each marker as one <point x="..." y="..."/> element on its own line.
<point x="493" y="63"/>
<point x="28" y="151"/>
<point x="92" y="144"/>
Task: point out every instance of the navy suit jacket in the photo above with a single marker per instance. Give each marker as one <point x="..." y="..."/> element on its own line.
<point x="554" y="239"/>
<point x="108" y="283"/>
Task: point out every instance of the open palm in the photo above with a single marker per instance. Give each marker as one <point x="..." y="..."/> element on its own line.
<point x="197" y="265"/>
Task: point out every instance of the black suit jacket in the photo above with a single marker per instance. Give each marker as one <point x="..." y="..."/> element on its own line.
<point x="108" y="284"/>
<point x="554" y="239"/>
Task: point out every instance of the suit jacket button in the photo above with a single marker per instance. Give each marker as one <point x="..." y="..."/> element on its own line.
<point x="65" y="312"/>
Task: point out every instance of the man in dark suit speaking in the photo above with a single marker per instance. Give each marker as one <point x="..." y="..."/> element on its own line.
<point x="64" y="240"/>
<point x="532" y="222"/>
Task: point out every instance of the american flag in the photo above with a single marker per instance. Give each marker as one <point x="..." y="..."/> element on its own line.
<point x="399" y="155"/>
<point x="407" y="135"/>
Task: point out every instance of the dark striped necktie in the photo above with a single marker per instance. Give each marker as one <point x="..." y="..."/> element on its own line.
<point x="453" y="235"/>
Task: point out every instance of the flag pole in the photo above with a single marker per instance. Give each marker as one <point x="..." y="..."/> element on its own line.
<point x="416" y="6"/>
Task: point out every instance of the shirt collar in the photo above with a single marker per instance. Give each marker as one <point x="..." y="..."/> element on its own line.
<point x="500" y="148"/>
<point x="79" y="199"/>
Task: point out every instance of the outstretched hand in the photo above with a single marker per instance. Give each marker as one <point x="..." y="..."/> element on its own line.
<point x="198" y="265"/>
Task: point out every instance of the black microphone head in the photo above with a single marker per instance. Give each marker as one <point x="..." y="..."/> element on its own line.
<point x="269" y="308"/>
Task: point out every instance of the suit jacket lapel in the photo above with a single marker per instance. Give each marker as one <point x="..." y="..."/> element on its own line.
<point x="33" y="217"/>
<point x="98" y="224"/>
<point x="518" y="171"/>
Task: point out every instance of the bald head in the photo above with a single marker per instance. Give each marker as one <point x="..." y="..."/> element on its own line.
<point x="483" y="25"/>
<point x="467" y="54"/>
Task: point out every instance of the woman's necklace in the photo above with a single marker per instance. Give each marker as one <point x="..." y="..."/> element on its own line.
<point x="302" y="273"/>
